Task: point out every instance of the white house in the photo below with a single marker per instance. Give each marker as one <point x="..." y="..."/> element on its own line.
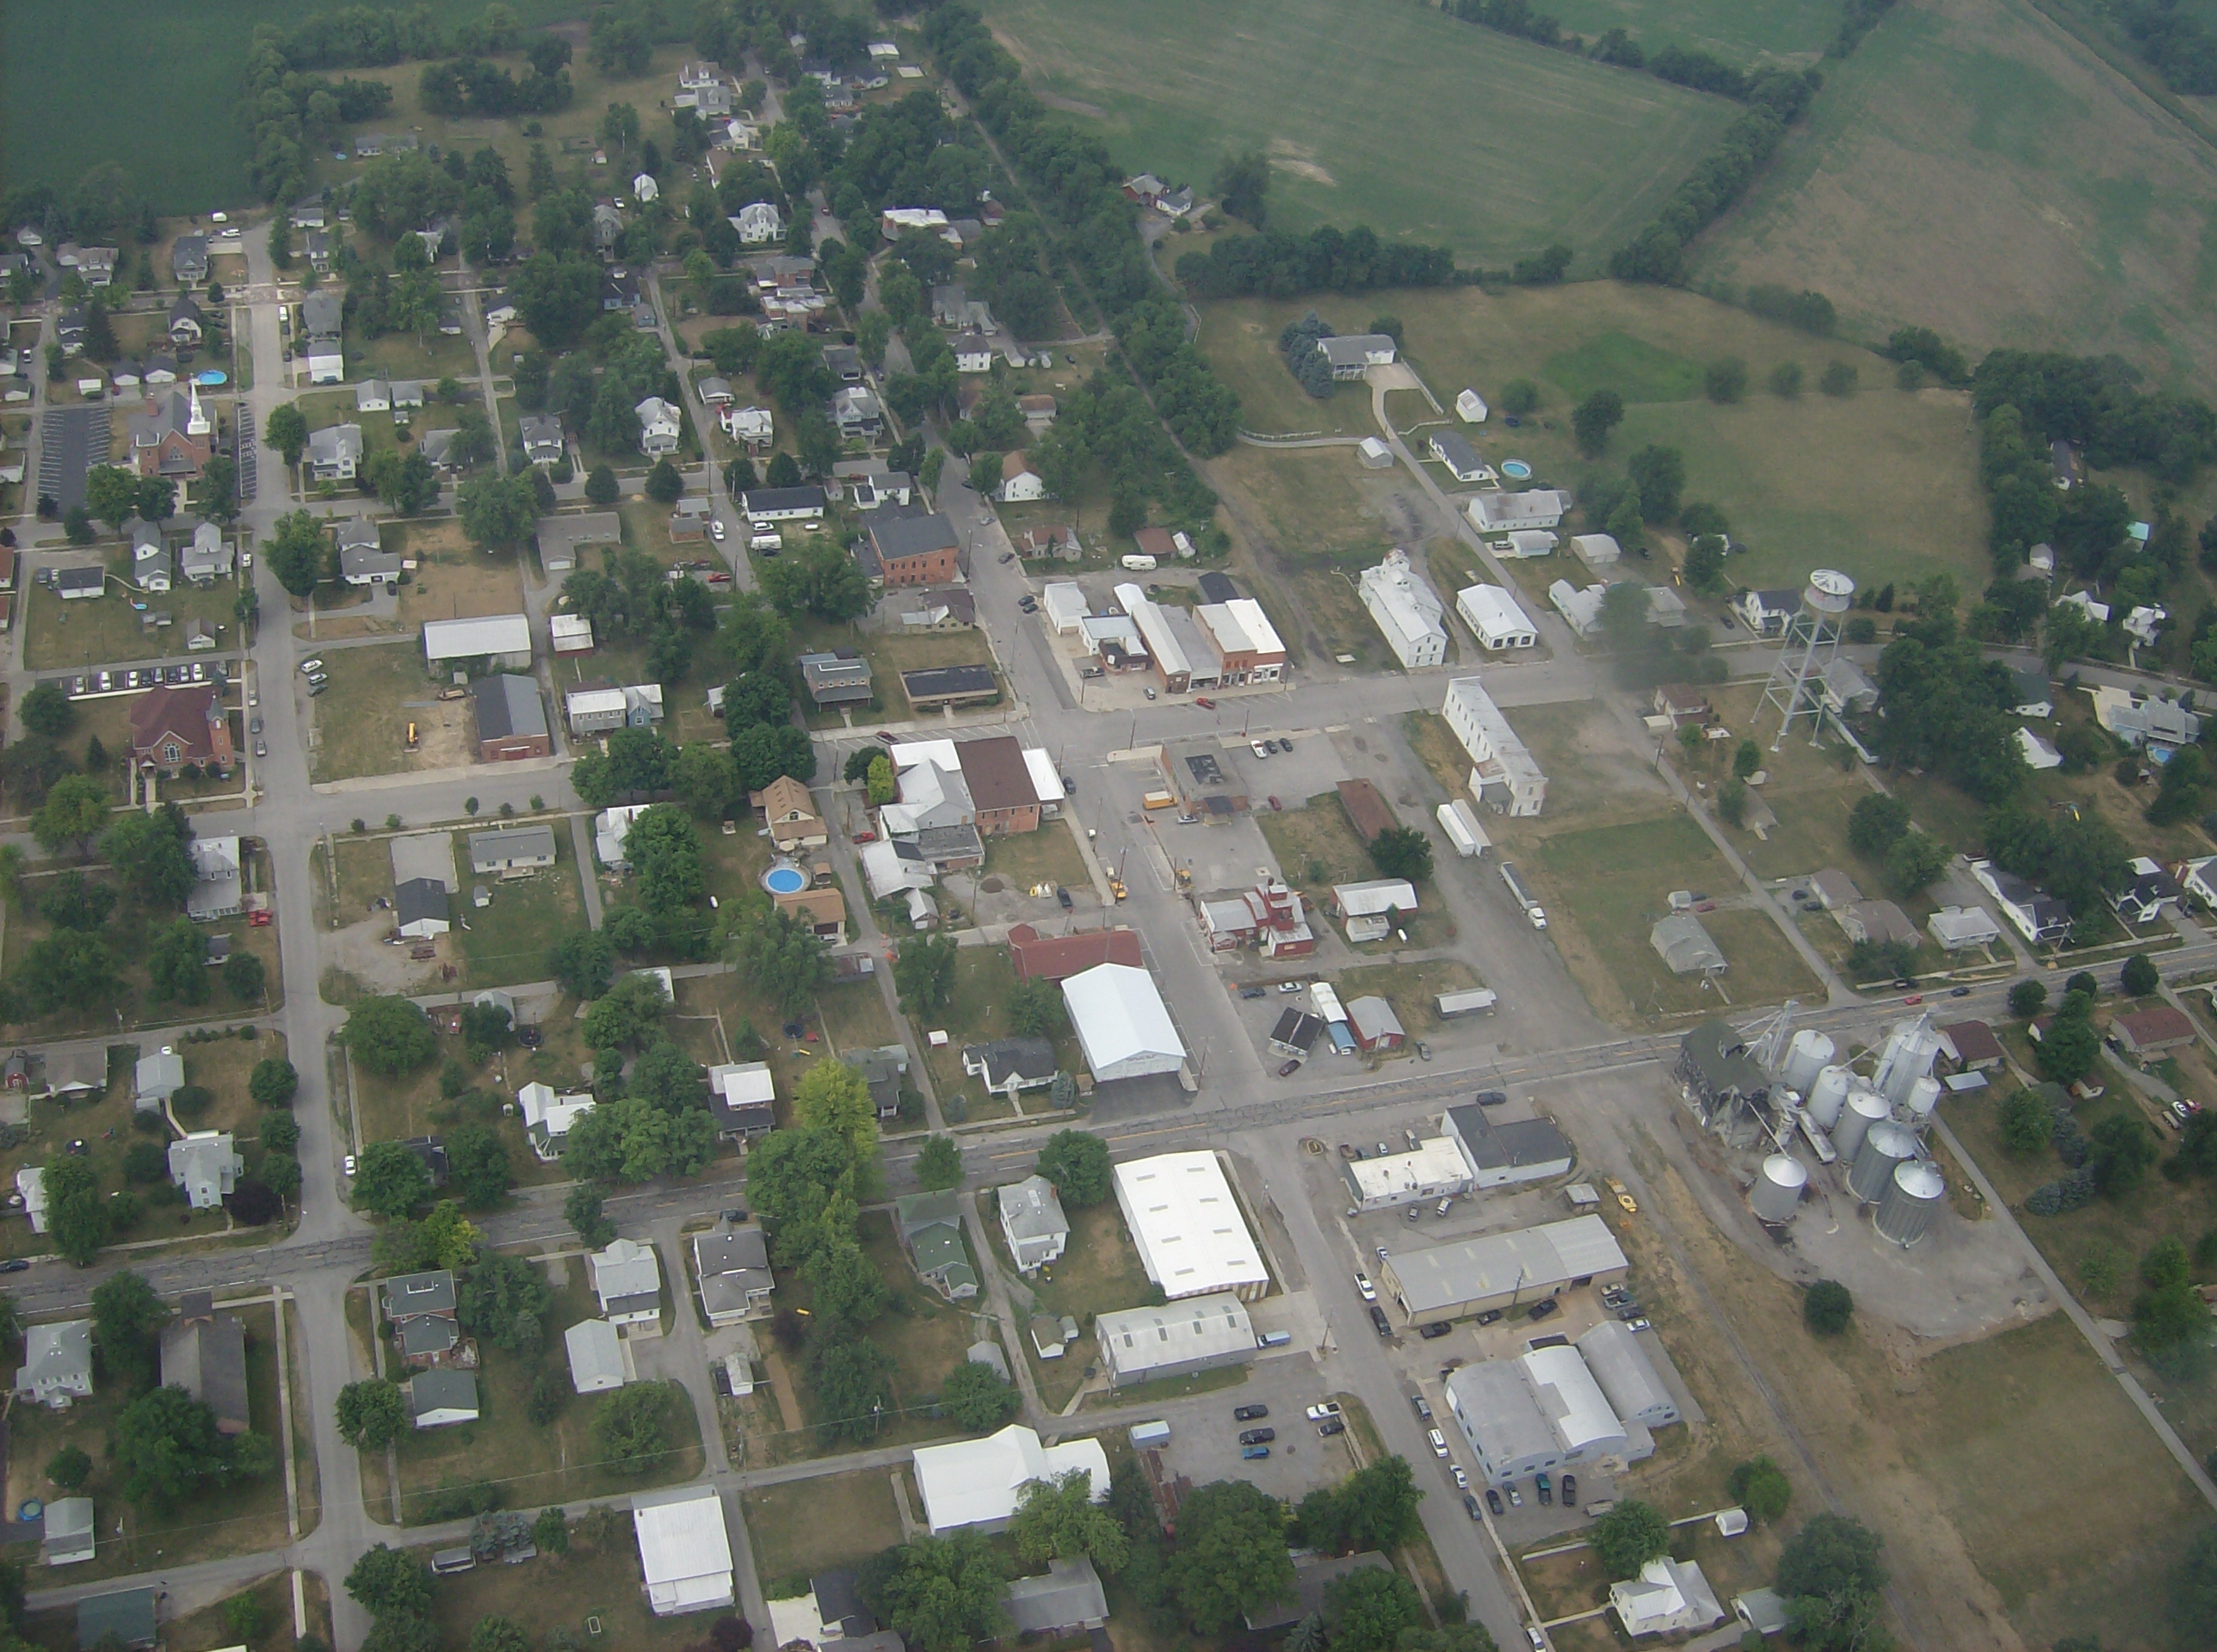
<point x="1958" y="927"/>
<point x="973" y="353"/>
<point x="684" y="1549"/>
<point x="1668" y="1597"/>
<point x="1405" y="611"/>
<point x="1494" y="618"/>
<point x="751" y="425"/>
<point x="442" y="1397"/>
<point x="207" y="1166"/>
<point x="31" y="1188"/>
<point x="1505" y="775"/>
<point x="57" y="1364"/>
<point x="2040" y="918"/>
<point x="660" y="425"/>
<point x="756" y="223"/>
<point x="1495" y="512"/>
<point x="2036" y="752"/>
<point x="1459" y="456"/>
<point x="1033" y="1222"/>
<point x="628" y="1278"/>
<point x="1579" y="607"/>
<point x="549" y="1117"/>
<point x="1355" y="354"/>
<point x="1470" y="406"/>
<point x="1019" y="481"/>
<point x="2197" y="878"/>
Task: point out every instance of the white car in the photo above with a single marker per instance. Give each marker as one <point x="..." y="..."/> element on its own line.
<point x="1461" y="1480"/>
<point x="716" y="529"/>
<point x="1328" y="1408"/>
<point x="1439" y="1442"/>
<point x="309" y="668"/>
<point x="347" y="1169"/>
<point x="1362" y="1284"/>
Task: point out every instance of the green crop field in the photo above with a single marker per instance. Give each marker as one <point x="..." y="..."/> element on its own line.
<point x="1971" y="168"/>
<point x="1882" y="483"/>
<point x="1425" y="128"/>
<point x="153" y="88"/>
<point x="1740" y="31"/>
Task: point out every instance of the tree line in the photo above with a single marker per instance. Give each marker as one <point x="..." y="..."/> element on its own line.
<point x="1278" y="263"/>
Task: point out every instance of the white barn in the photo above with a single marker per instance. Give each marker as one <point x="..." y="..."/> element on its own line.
<point x="1494" y="618"/>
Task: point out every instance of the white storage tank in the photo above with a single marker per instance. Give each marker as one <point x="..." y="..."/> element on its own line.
<point x="1828" y="1096"/>
<point x="1923" y="1102"/>
<point x="1865" y="1107"/>
<point x="1913" y="1199"/>
<point x="1808" y="1055"/>
<point x="1911" y="1050"/>
<point x="1884" y="1147"/>
<point x="1777" y="1190"/>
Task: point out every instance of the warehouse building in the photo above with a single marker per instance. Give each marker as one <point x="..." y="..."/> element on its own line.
<point x="1501" y="1155"/>
<point x="1618" y="1358"/>
<point x="1191" y="1236"/>
<point x="1177" y="1340"/>
<point x="1434" y="1169"/>
<point x="1504" y="1270"/>
<point x="1540" y="1411"/>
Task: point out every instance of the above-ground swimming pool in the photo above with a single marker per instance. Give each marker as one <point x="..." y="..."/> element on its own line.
<point x="1516" y="469"/>
<point x="213" y="376"/>
<point x="785" y="880"/>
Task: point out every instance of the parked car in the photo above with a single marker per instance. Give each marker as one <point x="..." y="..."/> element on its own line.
<point x="1362" y="1284"/>
<point x="1029" y="605"/>
<point x="1489" y="1316"/>
<point x="1290" y="1069"/>
<point x="1424" y="1051"/>
<point x="1469" y="1505"/>
<point x="1570" y="1491"/>
<point x="1626" y="1310"/>
<point x="1436" y="1328"/>
<point x="1493" y="1098"/>
<point x="1252" y="992"/>
<point x="1062" y="898"/>
<point x="1007" y="557"/>
<point x="1249" y="1413"/>
<point x="1424" y="1407"/>
<point x="1461" y="1480"/>
<point x="1204" y="702"/>
<point x="1953" y="992"/>
<point x="14" y="1264"/>
<point x="716" y="529"/>
<point x="1516" y="1498"/>
<point x="1613" y="1294"/>
<point x="1253" y="1452"/>
<point x="1291" y="986"/>
<point x="1379" y="1322"/>
<point x="1493" y="1500"/>
<point x="1542" y="1308"/>
<point x="1545" y="1488"/>
<point x="1330" y="1427"/>
<point x="308" y="667"/>
<point x="346" y="1167"/>
<point x="1324" y="1408"/>
<point x="1439" y="1442"/>
<point x="1258" y="748"/>
<point x="1640" y="1324"/>
<point x="1258" y="1436"/>
<point x="261" y="747"/>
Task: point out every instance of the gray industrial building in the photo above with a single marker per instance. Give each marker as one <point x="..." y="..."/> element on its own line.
<point x="1138" y="1345"/>
<point x="1540" y="1411"/>
<point x="1500" y="1155"/>
<point x="1618" y="1358"/>
<point x="1502" y="1270"/>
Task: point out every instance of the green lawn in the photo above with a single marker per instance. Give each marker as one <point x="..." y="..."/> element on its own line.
<point x="976" y="1013"/>
<point x="509" y="940"/>
<point x="1743" y="31"/>
<point x="1048" y="855"/>
<point x="1977" y="170"/>
<point x="1517" y="145"/>
<point x="107" y="630"/>
<point x="809" y="1527"/>
<point x="361" y="719"/>
<point x="1099" y="1272"/>
<point x="560" y="1462"/>
<point x="598" y="1582"/>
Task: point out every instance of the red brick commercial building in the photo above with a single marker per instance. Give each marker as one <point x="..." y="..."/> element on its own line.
<point x="912" y="550"/>
<point x="1000" y="785"/>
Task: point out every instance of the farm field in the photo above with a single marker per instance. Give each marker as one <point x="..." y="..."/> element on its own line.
<point x="63" y="77"/>
<point x="1794" y="476"/>
<point x="1973" y="169"/>
<point x="1545" y="146"/>
<point x="1741" y="31"/>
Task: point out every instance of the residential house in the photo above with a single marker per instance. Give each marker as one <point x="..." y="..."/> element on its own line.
<point x="150" y="558"/>
<point x="1405" y="611"/>
<point x="759" y="224"/>
<point x="561" y="538"/>
<point x="930" y="1228"/>
<point x="316" y="244"/>
<point x="801" y="504"/>
<point x="57" y="1364"/>
<point x="732" y="1266"/>
<point x="335" y="453"/>
<point x="840" y="678"/>
<point x="420" y="1309"/>
<point x="857" y="411"/>
<point x="542" y="435"/>
<point x="155" y="1078"/>
<point x="660" y="426"/>
<point x="419" y="907"/>
<point x="510" y="850"/>
<point x="373" y="396"/>
<point x="2033" y="694"/>
<point x="1956" y="928"/>
<point x="1767" y="614"/>
<point x="1059" y="540"/>
<point x="1449" y="447"/>
<point x="919" y="610"/>
<point x="31" y="1188"/>
<point x="80" y="584"/>
<point x="742" y="1097"/>
<point x="205" y="557"/>
<point x="789" y="810"/>
<point x="1504" y="776"/>
<point x="844" y="362"/>
<point x="1353" y="355"/>
<point x="364" y="559"/>
<point x="882" y="1070"/>
<point x="1971" y="1045"/>
<point x="204" y="1353"/>
<point x="824" y="910"/>
<point x="207" y="1166"/>
<point x="125" y="1619"/>
<point x="1270" y="916"/>
<point x="596" y="708"/>
<point x="1009" y="1066"/>
<point x="216" y="891"/>
<point x="1020" y="481"/>
<point x="2148" y="894"/>
<point x="187" y="324"/>
<point x="2040" y="918"/>
<point x="2147" y="1033"/>
<point x="753" y="425"/>
<point x="627" y="1279"/>
<point x="1032" y="1223"/>
<point x="65" y="1535"/>
<point x="2144" y="720"/>
<point x="973" y="352"/>
<point x="188" y="260"/>
<point x="549" y="1116"/>
<point x="606" y="227"/>
<point x="172" y="727"/>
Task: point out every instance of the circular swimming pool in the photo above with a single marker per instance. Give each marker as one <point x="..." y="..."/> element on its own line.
<point x="784" y="880"/>
<point x="1516" y="469"/>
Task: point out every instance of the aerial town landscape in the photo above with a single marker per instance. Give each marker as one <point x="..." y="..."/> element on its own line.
<point x="876" y="827"/>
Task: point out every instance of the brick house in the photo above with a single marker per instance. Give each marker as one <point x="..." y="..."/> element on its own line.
<point x="172" y="727"/>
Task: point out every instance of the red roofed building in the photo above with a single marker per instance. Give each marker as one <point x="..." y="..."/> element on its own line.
<point x="172" y="727"/>
<point x="2152" y="1032"/>
<point x="1366" y="810"/>
<point x="1056" y="958"/>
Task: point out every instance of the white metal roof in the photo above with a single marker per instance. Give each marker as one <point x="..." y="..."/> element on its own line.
<point x="1065" y="602"/>
<point x="1376" y="897"/>
<point x="1190" y="1233"/>
<point x="1492" y="612"/>
<point x="1433" y="1163"/>
<point x="1573" y="1401"/>
<point x="744" y="1082"/>
<point x="1613" y="1352"/>
<point x="468" y="639"/>
<point x="1120" y="1017"/>
<point x="978" y="1482"/>
<point x="1199" y="1327"/>
<point x="542" y="1105"/>
<point x="595" y="1356"/>
<point x="1045" y="782"/>
<point x="683" y="1549"/>
<point x="1163" y="646"/>
<point x="1325" y="1002"/>
<point x="940" y="754"/>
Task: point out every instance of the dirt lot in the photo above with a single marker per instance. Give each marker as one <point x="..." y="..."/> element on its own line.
<point x="361" y="720"/>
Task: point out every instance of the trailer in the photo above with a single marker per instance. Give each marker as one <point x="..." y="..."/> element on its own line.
<point x="1460" y="822"/>
<point x="1532" y="908"/>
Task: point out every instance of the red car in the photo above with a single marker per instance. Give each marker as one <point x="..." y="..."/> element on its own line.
<point x="1914" y="998"/>
<point x="1289" y="1069"/>
<point x="1204" y="702"/>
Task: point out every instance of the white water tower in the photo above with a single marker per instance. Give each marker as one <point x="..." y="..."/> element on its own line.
<point x="1813" y="637"/>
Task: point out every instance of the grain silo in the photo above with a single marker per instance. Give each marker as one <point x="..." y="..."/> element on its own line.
<point x="1865" y="1107"/>
<point x="1884" y="1146"/>
<point x="1809" y="1054"/>
<point x="1911" y="1050"/>
<point x="1912" y="1198"/>
<point x="1828" y="1096"/>
<point x="1923" y="1102"/>
<point x="1777" y="1190"/>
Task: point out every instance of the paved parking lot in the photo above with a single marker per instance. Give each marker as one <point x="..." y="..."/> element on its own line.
<point x="1204" y="1443"/>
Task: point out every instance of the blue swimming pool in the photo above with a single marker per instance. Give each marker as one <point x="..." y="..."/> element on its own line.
<point x="213" y="376"/>
<point x="1516" y="469"/>
<point x="784" y="880"/>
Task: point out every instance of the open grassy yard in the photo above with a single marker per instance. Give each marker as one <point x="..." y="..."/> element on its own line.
<point x="852" y="1015"/>
<point x="804" y="1530"/>
<point x="1593" y="773"/>
<point x="1048" y="855"/>
<point x="1315" y="846"/>
<point x="212" y="1524"/>
<point x="560" y="1462"/>
<point x="983" y="981"/>
<point x="1973" y="168"/>
<point x="1100" y="1272"/>
<point x="1604" y="887"/>
<point x="598" y="1581"/>
<point x="1804" y="482"/>
<point x="1413" y="990"/>
<point x="508" y="942"/>
<point x="1566" y="150"/>
<point x="361" y="720"/>
<point x="109" y="630"/>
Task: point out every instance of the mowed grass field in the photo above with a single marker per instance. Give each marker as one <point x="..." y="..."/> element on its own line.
<point x="1740" y="31"/>
<point x="67" y="68"/>
<point x="1881" y="483"/>
<point x="1373" y="112"/>
<point x="1973" y="168"/>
